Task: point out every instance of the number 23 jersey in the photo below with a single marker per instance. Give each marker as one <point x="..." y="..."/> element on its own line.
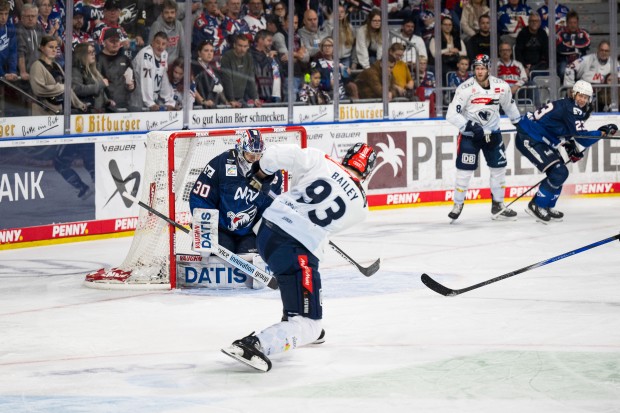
<point x="323" y="198"/>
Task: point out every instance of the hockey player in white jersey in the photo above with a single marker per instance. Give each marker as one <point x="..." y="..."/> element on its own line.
<point x="326" y="197"/>
<point x="475" y="111"/>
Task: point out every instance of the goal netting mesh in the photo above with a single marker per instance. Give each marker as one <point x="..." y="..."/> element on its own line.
<point x="174" y="160"/>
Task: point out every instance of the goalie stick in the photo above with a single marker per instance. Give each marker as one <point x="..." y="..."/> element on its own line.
<point x="367" y="271"/>
<point x="449" y="292"/>
<point x="228" y="256"/>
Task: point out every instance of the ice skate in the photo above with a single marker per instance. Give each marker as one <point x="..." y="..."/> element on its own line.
<point x="248" y="350"/>
<point x="555" y="215"/>
<point x="456" y="212"/>
<point x="541" y="214"/>
<point x="507" y="214"/>
<point x="321" y="338"/>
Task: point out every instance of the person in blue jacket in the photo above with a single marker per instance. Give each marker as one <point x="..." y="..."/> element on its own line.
<point x="540" y="134"/>
<point x="222" y="185"/>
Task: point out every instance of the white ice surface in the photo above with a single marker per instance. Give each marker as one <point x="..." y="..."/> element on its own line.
<point x="547" y="340"/>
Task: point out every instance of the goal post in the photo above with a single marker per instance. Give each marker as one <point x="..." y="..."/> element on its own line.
<point x="174" y="160"/>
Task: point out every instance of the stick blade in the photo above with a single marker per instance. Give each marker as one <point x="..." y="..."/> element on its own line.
<point x="438" y="288"/>
<point x="371" y="269"/>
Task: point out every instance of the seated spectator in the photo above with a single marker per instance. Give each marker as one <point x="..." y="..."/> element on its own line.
<point x="279" y="10"/>
<point x="462" y="73"/>
<point x="268" y="69"/>
<point x="29" y="31"/>
<point x="52" y="25"/>
<point x="116" y="68"/>
<point x="86" y="81"/>
<point x="398" y="10"/>
<point x="510" y="70"/>
<point x="79" y="35"/>
<point x="561" y="11"/>
<point x="310" y="35"/>
<point x="480" y="43"/>
<point x="413" y="44"/>
<point x="175" y="76"/>
<point x="47" y="80"/>
<point x="403" y="82"/>
<point x="209" y="89"/>
<point x="312" y="93"/>
<point x="301" y="57"/>
<point x="255" y="18"/>
<point x="238" y="74"/>
<point x="153" y="89"/>
<point x="427" y="85"/>
<point x="167" y="22"/>
<point x="451" y="46"/>
<point x="346" y="38"/>
<point x="572" y="42"/>
<point x="532" y="46"/>
<point x="233" y="25"/>
<point x="593" y="67"/>
<point x="511" y="19"/>
<point x="368" y="45"/>
<point x="604" y="96"/>
<point x="324" y="62"/>
<point x="370" y="81"/>
<point x="207" y="28"/>
<point x="8" y="44"/>
<point x="426" y="21"/>
<point x="471" y="17"/>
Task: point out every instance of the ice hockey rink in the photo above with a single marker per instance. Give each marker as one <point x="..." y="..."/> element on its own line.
<point x="547" y="340"/>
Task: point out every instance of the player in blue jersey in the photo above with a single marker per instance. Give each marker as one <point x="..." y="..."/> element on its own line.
<point x="325" y="197"/>
<point x="539" y="137"/>
<point x="222" y="185"/>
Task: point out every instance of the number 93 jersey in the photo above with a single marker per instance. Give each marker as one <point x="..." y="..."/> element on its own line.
<point x="323" y="198"/>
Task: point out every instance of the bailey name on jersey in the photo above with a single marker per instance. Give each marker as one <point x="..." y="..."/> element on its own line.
<point x="349" y="190"/>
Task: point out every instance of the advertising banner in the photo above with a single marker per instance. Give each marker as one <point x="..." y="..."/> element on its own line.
<point x="126" y="122"/>
<point x="31" y="126"/>
<point x="45" y="184"/>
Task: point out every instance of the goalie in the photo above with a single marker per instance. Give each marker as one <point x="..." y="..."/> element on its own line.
<point x="222" y="186"/>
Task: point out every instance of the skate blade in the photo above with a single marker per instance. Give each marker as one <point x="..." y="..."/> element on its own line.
<point x="255" y="362"/>
<point x="530" y="213"/>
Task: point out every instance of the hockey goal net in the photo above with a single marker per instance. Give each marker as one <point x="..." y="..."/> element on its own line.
<point x="174" y="160"/>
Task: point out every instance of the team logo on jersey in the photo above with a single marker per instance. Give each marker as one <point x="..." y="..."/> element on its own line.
<point x="483" y="100"/>
<point x="241" y="219"/>
<point x="484" y="115"/>
<point x="231" y="170"/>
<point x="209" y="171"/>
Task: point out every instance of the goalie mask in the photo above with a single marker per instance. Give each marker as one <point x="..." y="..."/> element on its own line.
<point x="250" y="147"/>
<point x="361" y="158"/>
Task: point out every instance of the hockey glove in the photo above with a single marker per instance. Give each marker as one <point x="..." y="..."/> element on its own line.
<point x="609" y="129"/>
<point x="258" y="179"/>
<point x="571" y="149"/>
<point x="475" y="128"/>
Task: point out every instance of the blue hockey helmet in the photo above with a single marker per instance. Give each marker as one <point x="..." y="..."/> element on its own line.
<point x="251" y="141"/>
<point x="360" y="157"/>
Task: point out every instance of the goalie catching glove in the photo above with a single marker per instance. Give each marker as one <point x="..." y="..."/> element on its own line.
<point x="258" y="179"/>
<point x="609" y="129"/>
<point x="572" y="151"/>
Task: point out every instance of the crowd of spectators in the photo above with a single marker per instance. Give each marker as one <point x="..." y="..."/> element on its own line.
<point x="133" y="58"/>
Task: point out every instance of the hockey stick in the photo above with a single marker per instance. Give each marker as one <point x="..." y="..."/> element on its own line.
<point x="228" y="256"/>
<point x="367" y="271"/>
<point x="448" y="292"/>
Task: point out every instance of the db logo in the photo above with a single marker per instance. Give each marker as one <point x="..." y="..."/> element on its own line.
<point x="468" y="158"/>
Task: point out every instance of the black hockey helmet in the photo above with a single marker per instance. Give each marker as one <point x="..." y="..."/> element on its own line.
<point x="360" y="157"/>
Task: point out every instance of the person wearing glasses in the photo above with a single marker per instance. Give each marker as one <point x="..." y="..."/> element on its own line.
<point x="368" y="43"/>
<point x="592" y="67"/>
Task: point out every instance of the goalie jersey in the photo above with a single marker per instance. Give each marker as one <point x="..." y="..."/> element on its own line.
<point x="323" y="199"/>
<point x="223" y="186"/>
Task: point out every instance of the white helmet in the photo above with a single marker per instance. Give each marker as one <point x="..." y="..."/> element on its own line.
<point x="581" y="86"/>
